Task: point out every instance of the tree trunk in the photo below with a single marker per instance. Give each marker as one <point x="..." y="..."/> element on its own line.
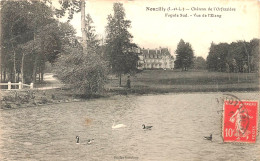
<point x="39" y="75"/>
<point x="83" y="30"/>
<point x="42" y="70"/>
<point x="42" y="73"/>
<point x="4" y="74"/>
<point x="1" y="74"/>
<point x="14" y="63"/>
<point x="120" y="82"/>
<point x="39" y="78"/>
<point x="14" y="56"/>
<point x="11" y="76"/>
<point x="34" y="70"/>
<point x="22" y="66"/>
<point x="35" y="61"/>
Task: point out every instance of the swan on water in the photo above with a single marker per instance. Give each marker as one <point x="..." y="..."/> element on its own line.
<point x="208" y="137"/>
<point x="117" y="126"/>
<point x="147" y="127"/>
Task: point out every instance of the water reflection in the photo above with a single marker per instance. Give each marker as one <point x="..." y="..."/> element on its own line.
<point x="179" y="123"/>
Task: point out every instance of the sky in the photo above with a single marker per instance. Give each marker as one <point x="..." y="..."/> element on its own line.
<point x="154" y="26"/>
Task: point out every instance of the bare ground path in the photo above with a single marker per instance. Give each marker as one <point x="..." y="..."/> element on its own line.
<point x="51" y="82"/>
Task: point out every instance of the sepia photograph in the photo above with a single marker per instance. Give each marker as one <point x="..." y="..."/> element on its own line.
<point x="129" y="80"/>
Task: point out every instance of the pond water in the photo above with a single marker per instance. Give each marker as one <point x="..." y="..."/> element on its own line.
<point x="179" y="123"/>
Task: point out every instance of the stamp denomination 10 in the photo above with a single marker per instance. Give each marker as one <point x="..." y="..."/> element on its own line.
<point x="240" y="121"/>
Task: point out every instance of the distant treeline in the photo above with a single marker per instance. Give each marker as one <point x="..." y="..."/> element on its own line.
<point x="240" y="56"/>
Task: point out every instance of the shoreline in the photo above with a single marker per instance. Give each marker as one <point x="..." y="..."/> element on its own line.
<point x="36" y="98"/>
<point x="147" y="82"/>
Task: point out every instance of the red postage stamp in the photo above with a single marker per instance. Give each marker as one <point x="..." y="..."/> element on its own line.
<point x="240" y="121"/>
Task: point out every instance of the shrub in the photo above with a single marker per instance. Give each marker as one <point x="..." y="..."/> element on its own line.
<point x="84" y="73"/>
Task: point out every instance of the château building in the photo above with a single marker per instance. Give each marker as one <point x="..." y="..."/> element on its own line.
<point x="155" y="59"/>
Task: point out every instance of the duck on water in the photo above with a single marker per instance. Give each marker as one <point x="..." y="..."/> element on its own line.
<point x="77" y="137"/>
<point x="208" y="137"/>
<point x="147" y="127"/>
<point x="88" y="142"/>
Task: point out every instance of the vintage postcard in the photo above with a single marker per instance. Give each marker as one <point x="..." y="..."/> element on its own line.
<point x="114" y="80"/>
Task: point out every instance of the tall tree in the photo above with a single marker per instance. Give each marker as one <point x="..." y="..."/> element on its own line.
<point x="184" y="56"/>
<point x="221" y="56"/>
<point x="211" y="59"/>
<point x="119" y="48"/>
<point x="92" y="39"/>
<point x="85" y="73"/>
<point x="72" y="7"/>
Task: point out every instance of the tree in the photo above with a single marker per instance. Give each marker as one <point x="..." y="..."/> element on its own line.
<point x="14" y="31"/>
<point x="72" y="7"/>
<point x="220" y="57"/>
<point x="119" y="49"/>
<point x="31" y="37"/>
<point x="21" y="21"/>
<point x="48" y="43"/>
<point x="199" y="63"/>
<point x="211" y="58"/>
<point x="184" y="56"/>
<point x="85" y="73"/>
<point x="240" y="56"/>
<point x="91" y="36"/>
<point x="254" y="52"/>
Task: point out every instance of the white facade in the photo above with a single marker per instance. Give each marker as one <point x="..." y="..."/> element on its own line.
<point x="155" y="59"/>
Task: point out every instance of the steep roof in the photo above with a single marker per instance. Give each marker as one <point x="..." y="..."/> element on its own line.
<point x="155" y="53"/>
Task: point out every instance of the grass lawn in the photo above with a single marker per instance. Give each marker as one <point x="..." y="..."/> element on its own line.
<point x="164" y="81"/>
<point x="145" y="82"/>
